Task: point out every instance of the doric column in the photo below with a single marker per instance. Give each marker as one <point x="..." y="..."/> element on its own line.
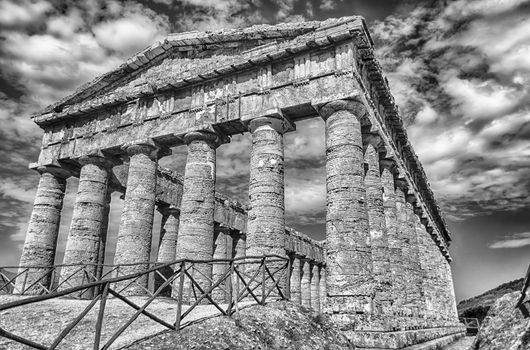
<point x="196" y="231"/>
<point x="87" y="234"/>
<point x="349" y="261"/>
<point x="323" y="289"/>
<point x="305" y="289"/>
<point x="43" y="228"/>
<point x="451" y="307"/>
<point x="220" y="251"/>
<point x="167" y="248"/>
<point x="394" y="243"/>
<point x="425" y="267"/>
<point x="136" y="224"/>
<point x="415" y="296"/>
<point x="315" y="287"/>
<point x="378" y="232"/>
<point x="295" y="280"/>
<point x="239" y="240"/>
<point x="266" y="217"/>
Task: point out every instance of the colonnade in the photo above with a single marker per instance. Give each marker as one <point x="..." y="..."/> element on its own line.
<point x="380" y="256"/>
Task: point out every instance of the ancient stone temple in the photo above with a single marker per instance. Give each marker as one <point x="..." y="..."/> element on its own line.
<point x="383" y="272"/>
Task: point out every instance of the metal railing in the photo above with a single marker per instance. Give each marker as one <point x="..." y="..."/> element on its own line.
<point x="522" y="304"/>
<point x="472" y="325"/>
<point x="255" y="278"/>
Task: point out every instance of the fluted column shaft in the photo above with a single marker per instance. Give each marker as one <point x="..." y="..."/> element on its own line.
<point x="266" y="217"/>
<point x="394" y="243"/>
<point x="167" y="248"/>
<point x="43" y="229"/>
<point x="305" y="289"/>
<point x="415" y="296"/>
<point x="196" y="231"/>
<point x="323" y="286"/>
<point x="296" y="280"/>
<point x="221" y="251"/>
<point x="315" y="287"/>
<point x="136" y="224"/>
<point x="350" y="281"/>
<point x="426" y="269"/>
<point x="378" y="232"/>
<point x="87" y="234"/>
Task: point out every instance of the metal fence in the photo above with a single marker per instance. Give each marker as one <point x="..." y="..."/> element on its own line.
<point x="258" y="279"/>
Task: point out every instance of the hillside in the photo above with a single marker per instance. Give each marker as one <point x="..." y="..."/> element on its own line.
<point x="281" y="325"/>
<point x="477" y="307"/>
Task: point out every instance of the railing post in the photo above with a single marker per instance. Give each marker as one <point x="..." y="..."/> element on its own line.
<point x="99" y="322"/>
<point x="24" y="283"/>
<point x="180" y="292"/>
<point x="230" y="289"/>
<point x="263" y="286"/>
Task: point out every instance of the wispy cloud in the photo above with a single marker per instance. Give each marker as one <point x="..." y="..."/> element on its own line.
<point x="514" y="240"/>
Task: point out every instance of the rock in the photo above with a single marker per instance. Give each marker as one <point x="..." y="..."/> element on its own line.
<point x="504" y="327"/>
<point x="279" y="325"/>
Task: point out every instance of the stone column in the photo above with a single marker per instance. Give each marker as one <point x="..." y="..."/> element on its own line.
<point x="239" y="240"/>
<point x="266" y="217"/>
<point x="315" y="287"/>
<point x="323" y="289"/>
<point x="220" y="251"/>
<point x="425" y="267"/>
<point x="378" y="232"/>
<point x="89" y="222"/>
<point x="415" y="295"/>
<point x="349" y="261"/>
<point x="136" y="224"/>
<point x="394" y="243"/>
<point x="43" y="228"/>
<point x="196" y="231"/>
<point x="167" y="248"/>
<point x="305" y="289"/>
<point x="295" y="280"/>
<point x="452" y="312"/>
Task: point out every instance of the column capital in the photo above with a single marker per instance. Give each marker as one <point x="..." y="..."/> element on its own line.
<point x="356" y="107"/>
<point x="214" y="139"/>
<point x="148" y="147"/>
<point x="275" y="120"/>
<point x="55" y="170"/>
<point x="97" y="159"/>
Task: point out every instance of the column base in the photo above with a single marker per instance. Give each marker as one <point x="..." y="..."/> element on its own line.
<point x="427" y="338"/>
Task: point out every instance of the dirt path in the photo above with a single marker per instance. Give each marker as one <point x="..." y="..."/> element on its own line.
<point x="43" y="321"/>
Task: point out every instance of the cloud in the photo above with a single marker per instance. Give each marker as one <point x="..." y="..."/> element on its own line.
<point x="460" y="77"/>
<point x="514" y="240"/>
<point x="23" y="13"/>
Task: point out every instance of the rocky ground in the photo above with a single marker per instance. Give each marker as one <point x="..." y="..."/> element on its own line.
<point x="43" y="321"/>
<point x="504" y="327"/>
<point x="280" y="325"/>
<point x="461" y="344"/>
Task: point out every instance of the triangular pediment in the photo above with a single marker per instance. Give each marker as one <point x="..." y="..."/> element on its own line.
<point x="194" y="53"/>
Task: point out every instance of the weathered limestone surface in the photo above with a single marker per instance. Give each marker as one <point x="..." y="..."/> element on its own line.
<point x="349" y="261"/>
<point x="266" y="217"/>
<point x="378" y="233"/>
<point x="196" y="230"/>
<point x="222" y="249"/>
<point x="394" y="243"/>
<point x="305" y="290"/>
<point x="167" y="248"/>
<point x="43" y="229"/>
<point x="87" y="237"/>
<point x="315" y="287"/>
<point x="296" y="282"/>
<point x="415" y="295"/>
<point x="408" y="291"/>
<point x="426" y="267"/>
<point x="136" y="224"/>
<point x="323" y="286"/>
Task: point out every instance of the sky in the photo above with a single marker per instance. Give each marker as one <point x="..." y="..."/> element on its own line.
<point x="459" y="70"/>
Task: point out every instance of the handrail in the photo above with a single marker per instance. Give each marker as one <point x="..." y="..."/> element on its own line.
<point x="269" y="278"/>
